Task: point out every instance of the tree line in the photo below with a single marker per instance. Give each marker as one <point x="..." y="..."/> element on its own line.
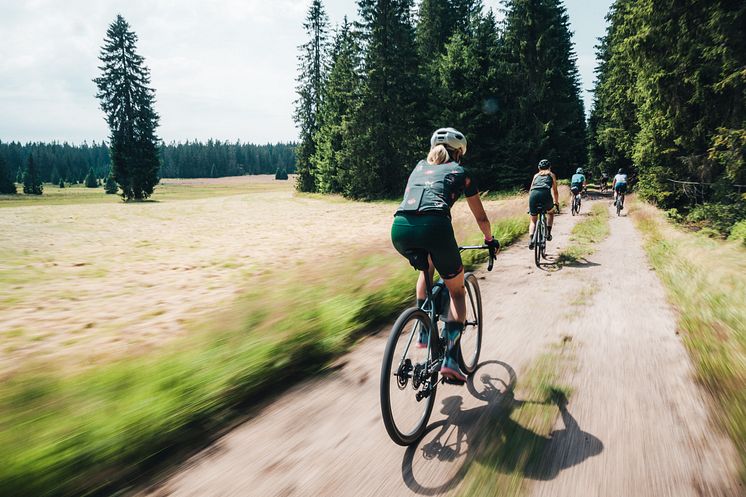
<point x="191" y="159"/>
<point x="370" y="93"/>
<point x="670" y="101"/>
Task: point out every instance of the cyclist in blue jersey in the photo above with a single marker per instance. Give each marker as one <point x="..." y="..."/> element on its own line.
<point x="620" y="184"/>
<point x="578" y="182"/>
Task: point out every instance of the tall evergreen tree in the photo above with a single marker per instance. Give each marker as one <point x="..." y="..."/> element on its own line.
<point x="547" y="118"/>
<point x="127" y="100"/>
<point x="32" y="184"/>
<point x="90" y="179"/>
<point x="312" y="66"/>
<point x="330" y="164"/>
<point x="6" y="183"/>
<point x="386" y="128"/>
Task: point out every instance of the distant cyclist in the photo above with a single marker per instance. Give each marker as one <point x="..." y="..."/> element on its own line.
<point x="423" y="221"/>
<point x="620" y="184"/>
<point x="604" y="181"/>
<point x="543" y="196"/>
<point x="578" y="182"/>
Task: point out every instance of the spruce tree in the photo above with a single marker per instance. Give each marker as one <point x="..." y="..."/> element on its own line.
<point x="312" y="67"/>
<point x="110" y="186"/>
<point x="32" y="184"/>
<point x="90" y="179"/>
<point x="127" y="100"/>
<point x="330" y="164"/>
<point x="6" y="183"/>
<point x="386" y="131"/>
<point x="546" y="112"/>
<point x="61" y="183"/>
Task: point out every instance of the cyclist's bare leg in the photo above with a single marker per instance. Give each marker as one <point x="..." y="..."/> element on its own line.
<point x="421" y="287"/>
<point x="532" y="226"/>
<point x="456" y="288"/>
<point x="550" y="219"/>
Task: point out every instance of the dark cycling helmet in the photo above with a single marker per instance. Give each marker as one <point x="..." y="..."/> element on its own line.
<point x="544" y="164"/>
<point x="449" y="137"/>
<point x="579" y="170"/>
<point x="621" y="171"/>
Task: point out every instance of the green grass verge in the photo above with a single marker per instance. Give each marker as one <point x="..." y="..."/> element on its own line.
<point x="510" y="447"/>
<point x="706" y="281"/>
<point x="87" y="433"/>
<point x="591" y="230"/>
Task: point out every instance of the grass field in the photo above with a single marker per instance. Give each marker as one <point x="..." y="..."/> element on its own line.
<point x="248" y="290"/>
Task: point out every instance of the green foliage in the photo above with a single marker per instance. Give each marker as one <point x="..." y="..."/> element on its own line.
<point x="61" y="183"/>
<point x="281" y="173"/>
<point x="738" y="232"/>
<point x="111" y="187"/>
<point x="128" y="101"/>
<point x="6" y="183"/>
<point x="312" y="64"/>
<point x="671" y="96"/>
<point x="32" y="184"/>
<point x="90" y="180"/>
<point x="720" y="218"/>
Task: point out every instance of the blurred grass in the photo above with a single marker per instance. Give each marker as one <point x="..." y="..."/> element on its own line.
<point x="89" y="432"/>
<point x="593" y="229"/>
<point x="706" y="281"/>
<point x="167" y="190"/>
<point x="510" y="447"/>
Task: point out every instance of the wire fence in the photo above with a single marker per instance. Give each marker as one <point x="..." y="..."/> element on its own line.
<point x="696" y="190"/>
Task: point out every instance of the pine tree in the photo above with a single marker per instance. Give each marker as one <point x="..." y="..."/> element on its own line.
<point x="386" y="128"/>
<point x="61" y="183"/>
<point x="32" y="184"/>
<point x="281" y="174"/>
<point x="312" y="67"/>
<point x="127" y="101"/>
<point x="547" y="118"/>
<point x="110" y="186"/>
<point x="340" y="97"/>
<point x="90" y="179"/>
<point x="6" y="183"/>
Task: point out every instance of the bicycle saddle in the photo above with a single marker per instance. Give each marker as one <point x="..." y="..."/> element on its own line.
<point x="418" y="258"/>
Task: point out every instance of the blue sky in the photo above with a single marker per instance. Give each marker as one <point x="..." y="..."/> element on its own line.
<point x="221" y="68"/>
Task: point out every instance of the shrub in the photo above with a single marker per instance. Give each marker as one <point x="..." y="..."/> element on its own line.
<point x="281" y="173"/>
<point x="738" y="232"/>
<point x="62" y="183"/>
<point x="718" y="217"/>
<point x="90" y="179"/>
<point x="110" y="186"/>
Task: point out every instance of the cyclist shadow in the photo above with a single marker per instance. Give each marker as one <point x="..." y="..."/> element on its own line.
<point x="488" y="435"/>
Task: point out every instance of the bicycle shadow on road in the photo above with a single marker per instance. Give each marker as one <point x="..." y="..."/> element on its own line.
<point x="488" y="435"/>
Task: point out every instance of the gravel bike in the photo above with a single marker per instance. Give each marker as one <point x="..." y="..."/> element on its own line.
<point x="539" y="238"/>
<point x="619" y="203"/>
<point x="410" y="373"/>
<point x="576" y="204"/>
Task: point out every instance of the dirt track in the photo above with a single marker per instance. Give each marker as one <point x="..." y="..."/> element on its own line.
<point x="636" y="424"/>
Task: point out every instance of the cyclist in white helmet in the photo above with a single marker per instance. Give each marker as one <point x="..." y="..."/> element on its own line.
<point x="423" y="221"/>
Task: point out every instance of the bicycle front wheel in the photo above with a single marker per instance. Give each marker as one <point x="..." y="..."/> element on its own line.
<point x="407" y="390"/>
<point x="471" y="338"/>
<point x="538" y="240"/>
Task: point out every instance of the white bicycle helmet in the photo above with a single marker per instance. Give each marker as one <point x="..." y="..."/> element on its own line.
<point x="449" y="137"/>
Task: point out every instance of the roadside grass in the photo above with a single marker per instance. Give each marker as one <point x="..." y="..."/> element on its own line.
<point x="706" y="281"/>
<point x="168" y="190"/>
<point x="510" y="447"/>
<point x="90" y="432"/>
<point x="585" y="234"/>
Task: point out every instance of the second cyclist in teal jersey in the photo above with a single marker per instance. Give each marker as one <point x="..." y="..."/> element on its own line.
<point x="543" y="196"/>
<point x="423" y="221"/>
<point x="578" y="182"/>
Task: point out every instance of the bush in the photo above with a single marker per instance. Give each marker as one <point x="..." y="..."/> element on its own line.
<point x="62" y="183"/>
<point x="738" y="232"/>
<point x="110" y="186"/>
<point x="281" y="173"/>
<point x="718" y="217"/>
<point x="90" y="179"/>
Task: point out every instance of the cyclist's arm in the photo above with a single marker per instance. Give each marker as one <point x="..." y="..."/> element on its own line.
<point x="477" y="209"/>
<point x="555" y="190"/>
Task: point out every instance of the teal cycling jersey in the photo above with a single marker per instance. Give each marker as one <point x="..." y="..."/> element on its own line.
<point x="577" y="179"/>
<point x="434" y="188"/>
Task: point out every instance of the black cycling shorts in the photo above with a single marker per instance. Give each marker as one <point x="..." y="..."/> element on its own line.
<point x="432" y="233"/>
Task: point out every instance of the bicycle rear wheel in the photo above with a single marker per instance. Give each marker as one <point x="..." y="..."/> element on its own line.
<point x="538" y="240"/>
<point x="618" y="206"/>
<point x="407" y="392"/>
<point x="471" y="338"/>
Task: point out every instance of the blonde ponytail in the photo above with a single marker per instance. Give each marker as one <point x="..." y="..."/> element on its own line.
<point x="438" y="155"/>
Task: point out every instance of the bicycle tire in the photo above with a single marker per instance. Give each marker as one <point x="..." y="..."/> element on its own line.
<point x="538" y="240"/>
<point x="395" y="428"/>
<point x="473" y="333"/>
<point x="618" y="207"/>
